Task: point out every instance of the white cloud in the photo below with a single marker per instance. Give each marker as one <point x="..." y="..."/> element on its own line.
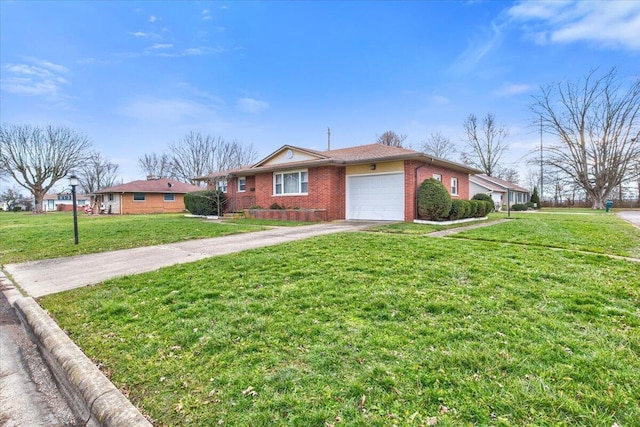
<point x="609" y="24"/>
<point x="477" y="49"/>
<point x="510" y="89"/>
<point x="162" y="46"/>
<point x="206" y="15"/>
<point x="165" y="110"/>
<point x="194" y="51"/>
<point x="153" y="18"/>
<point x="139" y="34"/>
<point x="440" y="100"/>
<point x="39" y="78"/>
<point x="250" y="105"/>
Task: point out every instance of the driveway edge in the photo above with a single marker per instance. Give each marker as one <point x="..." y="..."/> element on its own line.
<point x="88" y="391"/>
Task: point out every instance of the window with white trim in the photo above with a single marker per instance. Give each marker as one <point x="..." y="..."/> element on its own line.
<point x="139" y="197"/>
<point x="221" y="185"/>
<point x="437" y="176"/>
<point x="454" y="186"/>
<point x="295" y="182"/>
<point x="169" y="197"/>
<point x="242" y="184"/>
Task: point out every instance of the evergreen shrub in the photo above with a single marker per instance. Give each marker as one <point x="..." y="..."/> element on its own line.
<point x="457" y="210"/>
<point x="206" y="202"/>
<point x="434" y="201"/>
<point x="535" y="198"/>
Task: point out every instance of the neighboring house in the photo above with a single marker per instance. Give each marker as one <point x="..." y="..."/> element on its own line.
<point x="63" y="201"/>
<point x="368" y="182"/>
<point x="498" y="189"/>
<point x="23" y="203"/>
<point x="153" y="195"/>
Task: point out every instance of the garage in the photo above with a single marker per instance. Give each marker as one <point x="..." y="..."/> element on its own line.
<point x="376" y="197"/>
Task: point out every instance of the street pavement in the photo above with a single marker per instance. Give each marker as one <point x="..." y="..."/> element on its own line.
<point x="29" y="396"/>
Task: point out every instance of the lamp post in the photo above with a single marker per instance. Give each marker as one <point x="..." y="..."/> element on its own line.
<point x="73" y="181"/>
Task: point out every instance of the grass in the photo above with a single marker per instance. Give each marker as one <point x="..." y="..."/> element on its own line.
<point x="419" y="229"/>
<point x="605" y="234"/>
<point x="27" y="237"/>
<point x="377" y="329"/>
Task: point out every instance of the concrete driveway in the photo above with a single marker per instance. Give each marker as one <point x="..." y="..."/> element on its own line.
<point x="631" y="216"/>
<point x="39" y="278"/>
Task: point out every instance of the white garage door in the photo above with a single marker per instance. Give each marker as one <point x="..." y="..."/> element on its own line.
<point x="376" y="197"/>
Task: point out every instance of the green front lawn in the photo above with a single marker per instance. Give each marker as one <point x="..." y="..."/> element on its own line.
<point x="362" y="329"/>
<point x="27" y="237"/>
<point x="605" y="234"/>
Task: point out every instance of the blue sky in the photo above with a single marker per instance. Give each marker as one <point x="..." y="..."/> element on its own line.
<point x="136" y="76"/>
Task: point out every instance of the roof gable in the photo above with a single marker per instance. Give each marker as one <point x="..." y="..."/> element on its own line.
<point x="289" y="154"/>
<point x="289" y="157"/>
<point x="496" y="184"/>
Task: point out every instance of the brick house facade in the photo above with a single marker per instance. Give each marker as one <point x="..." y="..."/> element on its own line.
<point x="150" y="196"/>
<point x="365" y="182"/>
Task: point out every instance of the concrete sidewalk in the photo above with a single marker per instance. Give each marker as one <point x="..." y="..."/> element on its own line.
<point x="39" y="278"/>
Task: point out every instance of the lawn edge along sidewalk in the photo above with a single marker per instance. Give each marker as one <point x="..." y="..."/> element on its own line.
<point x="89" y="393"/>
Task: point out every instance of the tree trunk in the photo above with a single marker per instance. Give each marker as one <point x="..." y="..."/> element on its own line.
<point x="39" y="196"/>
<point x="597" y="201"/>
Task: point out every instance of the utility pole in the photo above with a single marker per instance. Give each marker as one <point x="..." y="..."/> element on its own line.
<point x="541" y="166"/>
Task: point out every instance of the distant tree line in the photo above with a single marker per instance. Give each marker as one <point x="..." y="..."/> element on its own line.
<point x="595" y="122"/>
<point x="39" y="157"/>
<point x="196" y="155"/>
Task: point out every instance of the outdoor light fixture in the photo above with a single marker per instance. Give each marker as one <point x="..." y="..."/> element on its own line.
<point x="372" y="167"/>
<point x="73" y="182"/>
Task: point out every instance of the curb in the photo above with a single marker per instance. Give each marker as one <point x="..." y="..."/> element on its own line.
<point x="88" y="391"/>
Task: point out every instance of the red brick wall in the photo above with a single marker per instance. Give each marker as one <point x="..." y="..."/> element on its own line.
<point x="239" y="200"/>
<point x="154" y="203"/>
<point x="326" y="191"/>
<point x="308" y="215"/>
<point x="426" y="171"/>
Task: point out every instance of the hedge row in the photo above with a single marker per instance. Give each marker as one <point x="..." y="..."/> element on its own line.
<point x="435" y="204"/>
<point x="207" y="202"/>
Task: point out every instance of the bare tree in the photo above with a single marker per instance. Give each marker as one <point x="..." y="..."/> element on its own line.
<point x="597" y="125"/>
<point x="391" y="138"/>
<point x="440" y="146"/>
<point x="508" y="174"/>
<point x="157" y="165"/>
<point x="38" y="157"/>
<point x="486" y="144"/>
<point x="97" y="173"/>
<point x="10" y="197"/>
<point x="197" y="155"/>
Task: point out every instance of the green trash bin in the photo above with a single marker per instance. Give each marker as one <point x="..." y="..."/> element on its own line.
<point x="608" y="205"/>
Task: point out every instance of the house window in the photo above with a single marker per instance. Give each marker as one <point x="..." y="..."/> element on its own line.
<point x="437" y="176"/>
<point x="221" y="185"/>
<point x="169" y="197"/>
<point x="291" y="182"/>
<point x="139" y="197"/>
<point x="242" y="184"/>
<point x="110" y="197"/>
<point x="454" y="186"/>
